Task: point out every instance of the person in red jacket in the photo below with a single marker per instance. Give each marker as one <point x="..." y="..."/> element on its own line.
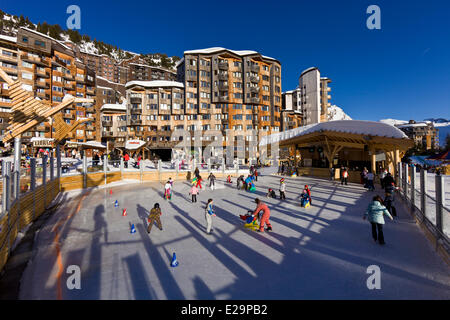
<point x="261" y="206"/>
<point x="308" y="191"/>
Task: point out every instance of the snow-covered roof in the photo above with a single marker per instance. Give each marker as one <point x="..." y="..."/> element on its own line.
<point x="155" y="84"/>
<point x="218" y="49"/>
<point x="8" y="38"/>
<point x="370" y="128"/>
<point x="420" y="124"/>
<point x="41" y="139"/>
<point x="393" y="122"/>
<point x="115" y="107"/>
<point x="309" y="69"/>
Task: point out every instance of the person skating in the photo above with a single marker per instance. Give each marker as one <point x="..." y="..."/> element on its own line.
<point x="247" y="182"/>
<point x="344" y="176"/>
<point x="370" y="178"/>
<point x="389" y="199"/>
<point x="155" y="216"/>
<point x="196" y="172"/>
<point x="364" y="176"/>
<point x="383" y="175"/>
<point x="304" y="199"/>
<point x="255" y="173"/>
<point x="261" y="206"/>
<point x="199" y="181"/>
<point x="308" y="191"/>
<point x="388" y="181"/>
<point x="229" y="179"/>
<point x="375" y="211"/>
<point x="331" y="174"/>
<point x="212" y="180"/>
<point x="194" y="192"/>
<point x="282" y="189"/>
<point x="271" y="194"/>
<point x="209" y="213"/>
<point x="168" y="191"/>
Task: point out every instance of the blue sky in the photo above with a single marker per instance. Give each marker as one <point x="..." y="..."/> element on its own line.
<point x="401" y="71"/>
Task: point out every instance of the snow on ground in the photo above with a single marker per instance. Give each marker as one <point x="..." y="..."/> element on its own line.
<point x="318" y="253"/>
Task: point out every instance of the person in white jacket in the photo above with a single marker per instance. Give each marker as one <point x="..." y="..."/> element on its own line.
<point x="282" y="189"/>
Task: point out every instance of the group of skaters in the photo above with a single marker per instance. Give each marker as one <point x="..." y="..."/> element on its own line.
<point x="375" y="213"/>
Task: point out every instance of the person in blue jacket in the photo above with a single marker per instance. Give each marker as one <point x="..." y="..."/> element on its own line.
<point x="209" y="213"/>
<point x="375" y="212"/>
<point x="248" y="181"/>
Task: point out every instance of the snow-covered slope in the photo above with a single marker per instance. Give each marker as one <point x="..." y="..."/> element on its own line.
<point x="336" y="113"/>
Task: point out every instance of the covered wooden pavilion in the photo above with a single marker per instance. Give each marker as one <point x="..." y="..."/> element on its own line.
<point x="344" y="141"/>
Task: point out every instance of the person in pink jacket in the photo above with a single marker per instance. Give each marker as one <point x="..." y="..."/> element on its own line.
<point x="261" y="206"/>
<point x="194" y="192"/>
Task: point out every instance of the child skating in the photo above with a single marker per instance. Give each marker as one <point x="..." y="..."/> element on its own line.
<point x="209" y="213"/>
<point x="194" y="192"/>
<point x="155" y="216"/>
<point x="168" y="191"/>
<point x="271" y="194"/>
<point x="282" y="189"/>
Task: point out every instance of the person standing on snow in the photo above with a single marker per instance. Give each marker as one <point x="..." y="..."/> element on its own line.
<point x="375" y="212"/>
<point x="261" y="206"/>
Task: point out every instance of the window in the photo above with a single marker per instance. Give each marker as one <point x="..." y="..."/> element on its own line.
<point x="27" y="64"/>
<point x="39" y="43"/>
<point x="26" y="75"/>
<point x="25" y="39"/>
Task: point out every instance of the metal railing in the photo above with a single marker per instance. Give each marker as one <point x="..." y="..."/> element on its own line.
<point x="428" y="196"/>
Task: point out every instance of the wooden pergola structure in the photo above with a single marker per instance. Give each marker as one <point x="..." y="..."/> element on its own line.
<point x="332" y="142"/>
<point x="27" y="112"/>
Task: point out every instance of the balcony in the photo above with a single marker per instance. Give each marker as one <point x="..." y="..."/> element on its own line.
<point x="134" y="100"/>
<point x="223" y="86"/>
<point x="90" y="109"/>
<point x="107" y="124"/>
<point x="223" y="99"/>
<point x="135" y="122"/>
<point x="90" y="127"/>
<point x="79" y="79"/>
<point x="223" y="76"/>
<point x="139" y="133"/>
<point x="254" y="89"/>
<point x="254" y="79"/>
<point x="68" y="76"/>
<point x="254" y="68"/>
<point x="254" y="100"/>
<point x="42" y="73"/>
<point x="43" y="95"/>
<point x="9" y="58"/>
<point x="121" y="123"/>
<point x="136" y="110"/>
<point x="90" y="91"/>
<point x="42" y="84"/>
<point x="223" y="65"/>
<point x="69" y="86"/>
<point x="107" y="134"/>
<point x="68" y="116"/>
<point x="42" y="128"/>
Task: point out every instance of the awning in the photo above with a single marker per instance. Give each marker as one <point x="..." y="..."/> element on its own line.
<point x="134" y="144"/>
<point x="92" y="145"/>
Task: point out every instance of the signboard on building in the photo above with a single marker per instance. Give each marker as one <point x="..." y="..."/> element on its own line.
<point x="42" y="143"/>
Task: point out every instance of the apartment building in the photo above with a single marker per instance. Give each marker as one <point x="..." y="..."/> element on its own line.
<point x="154" y="110"/>
<point x="138" y="69"/>
<point x="49" y="70"/>
<point x="310" y="98"/>
<point x="114" y="125"/>
<point x="237" y="90"/>
<point x="424" y="134"/>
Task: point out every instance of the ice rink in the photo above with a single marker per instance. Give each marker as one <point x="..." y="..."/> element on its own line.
<point x="317" y="253"/>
